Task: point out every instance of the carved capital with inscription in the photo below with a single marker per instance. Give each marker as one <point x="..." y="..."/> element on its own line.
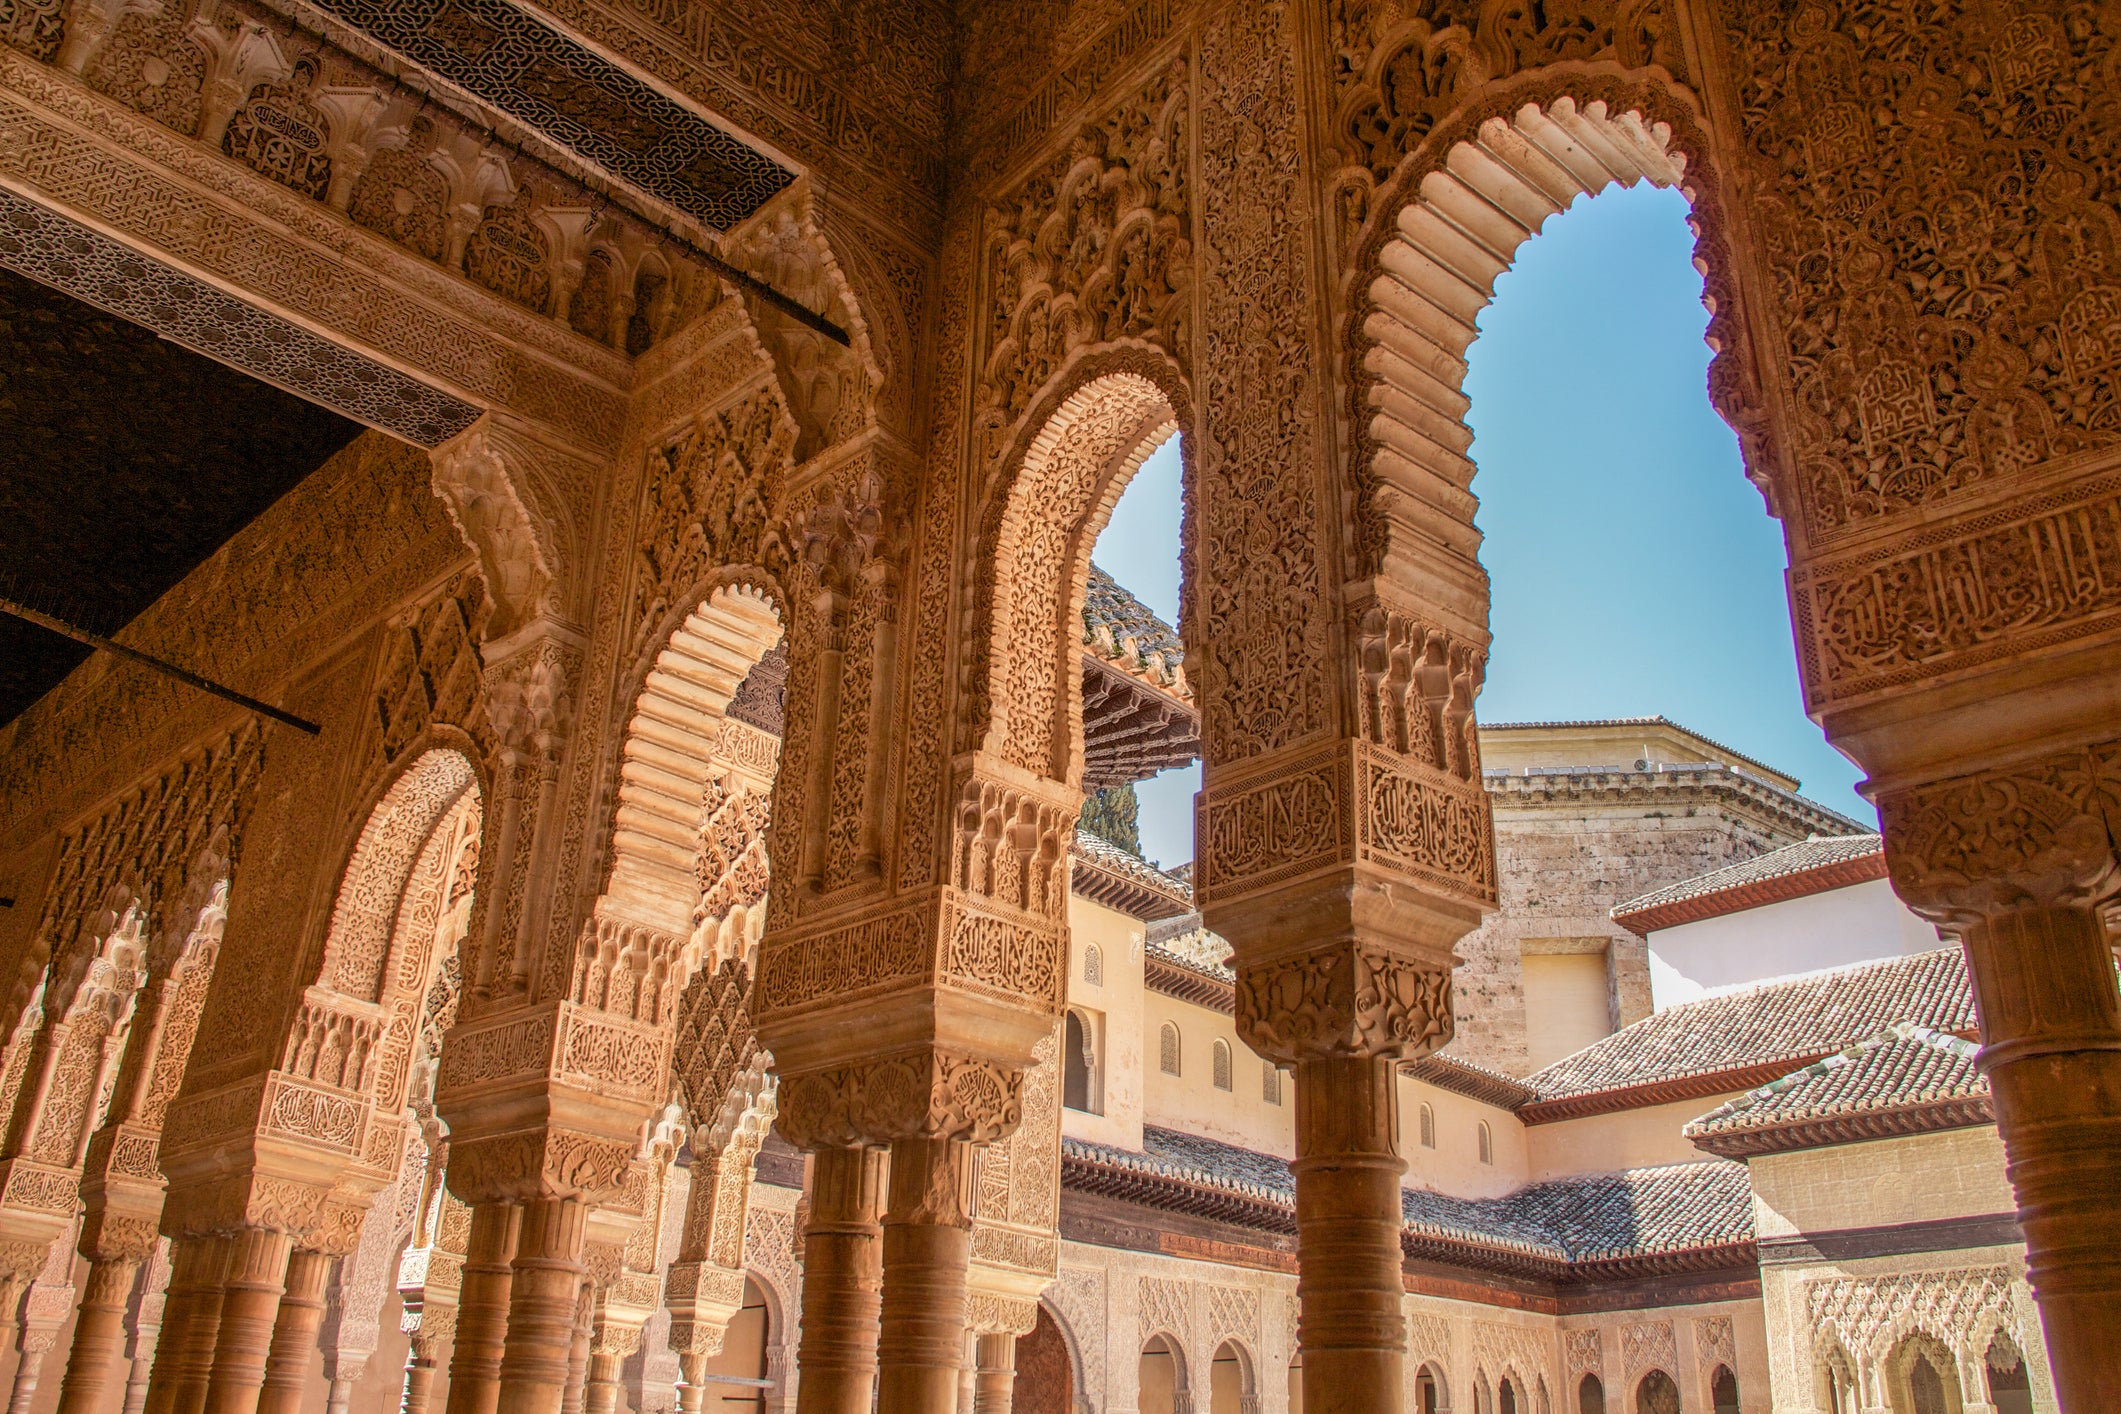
<point x="927" y="1093"/>
<point x="2038" y="835"/>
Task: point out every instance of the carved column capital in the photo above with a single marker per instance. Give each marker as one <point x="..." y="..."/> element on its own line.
<point x="541" y="1165"/>
<point x="1349" y="1000"/>
<point x="2036" y="835"/>
<point x="927" y="1093"/>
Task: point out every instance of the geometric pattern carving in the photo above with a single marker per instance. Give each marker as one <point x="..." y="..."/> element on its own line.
<point x="1962" y="1308"/>
<point x="1648" y="1345"/>
<point x="1584" y="1353"/>
<point x="66" y="255"/>
<point x="595" y="109"/>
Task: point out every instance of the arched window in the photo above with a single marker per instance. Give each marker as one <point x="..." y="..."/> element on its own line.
<point x="1657" y="1394"/>
<point x="1429" y="1392"/>
<point x="1270" y="1084"/>
<point x="1487" y="1143"/>
<point x="1167" y="1049"/>
<point x="1223" y="1079"/>
<point x="1093" y="965"/>
<point x="1590" y="1396"/>
<point x="1428" y="1127"/>
<point x="1925" y="1386"/>
<point x="1079" y="1065"/>
<point x="1507" y="1402"/>
<point x="2010" y="1388"/>
<point x="1723" y="1391"/>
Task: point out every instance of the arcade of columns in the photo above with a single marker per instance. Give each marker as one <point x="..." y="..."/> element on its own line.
<point x="507" y="915"/>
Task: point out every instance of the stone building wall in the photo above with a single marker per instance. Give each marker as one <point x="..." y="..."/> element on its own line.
<point x="1572" y="844"/>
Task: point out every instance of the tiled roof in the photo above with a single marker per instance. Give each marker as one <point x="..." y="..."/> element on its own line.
<point x="1108" y="606"/>
<point x="1905" y="1080"/>
<point x="1748" y="1037"/>
<point x="1546" y="1227"/>
<point x="1126" y="881"/>
<point x="1809" y="866"/>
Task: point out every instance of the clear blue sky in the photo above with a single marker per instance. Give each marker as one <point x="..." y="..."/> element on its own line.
<point x="1635" y="570"/>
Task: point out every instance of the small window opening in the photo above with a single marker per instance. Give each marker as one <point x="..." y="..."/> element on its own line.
<point x="1487" y="1143"/>
<point x="1167" y="1049"/>
<point x="1223" y="1078"/>
<point x="1428" y="1127"/>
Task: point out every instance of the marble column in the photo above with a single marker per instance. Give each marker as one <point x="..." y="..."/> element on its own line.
<point x="541" y="1305"/>
<point x="191" y="1323"/>
<point x="2051" y="1048"/>
<point x="2018" y="862"/>
<point x="927" y="1261"/>
<point x="250" y="1307"/>
<point x="482" y="1309"/>
<point x="294" y="1334"/>
<point x="994" y="1391"/>
<point x="92" y="1365"/>
<point x="1348" y="1221"/>
<point x="842" y="1282"/>
<point x="419" y="1374"/>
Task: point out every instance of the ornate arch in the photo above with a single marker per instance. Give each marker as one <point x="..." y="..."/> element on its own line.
<point x="1071" y="1342"/>
<point x="667" y="751"/>
<point x="1425" y="263"/>
<point x="396" y="830"/>
<point x="1073" y="458"/>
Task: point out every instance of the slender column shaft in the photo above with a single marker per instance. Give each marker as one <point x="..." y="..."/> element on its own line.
<point x="2051" y="1047"/>
<point x="191" y="1320"/>
<point x="99" y="1336"/>
<point x="995" y="1391"/>
<point x="842" y="1282"/>
<point x="541" y="1306"/>
<point x="36" y="1348"/>
<point x="578" y="1349"/>
<point x="250" y="1305"/>
<point x="294" y="1334"/>
<point x="692" y="1392"/>
<point x="419" y="1376"/>
<point x="927" y="1258"/>
<point x="1348" y="1220"/>
<point x="482" y="1309"/>
<point x="603" y="1395"/>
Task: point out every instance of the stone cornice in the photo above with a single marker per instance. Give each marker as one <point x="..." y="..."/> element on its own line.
<point x="103" y="164"/>
<point x="1676" y="784"/>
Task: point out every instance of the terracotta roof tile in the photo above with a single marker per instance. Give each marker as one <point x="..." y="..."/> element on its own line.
<point x="1906" y="1079"/>
<point x="1788" y="1023"/>
<point x="1588" y="1218"/>
<point x="1109" y="606"/>
<point x="1129" y="883"/>
<point x="1789" y="872"/>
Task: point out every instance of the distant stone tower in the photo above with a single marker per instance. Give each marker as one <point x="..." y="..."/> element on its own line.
<point x="1589" y="815"/>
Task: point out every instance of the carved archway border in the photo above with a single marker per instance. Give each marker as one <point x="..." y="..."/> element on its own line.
<point x="1734" y="382"/>
<point x="425" y="755"/>
<point x="709" y="603"/>
<point x="1071" y="1342"/>
<point x="998" y="497"/>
